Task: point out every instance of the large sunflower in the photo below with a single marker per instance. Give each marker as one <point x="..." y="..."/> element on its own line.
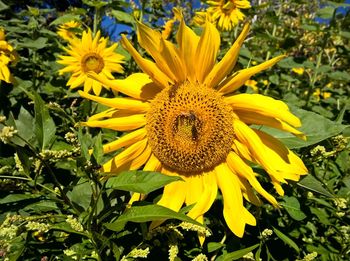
<point x="185" y="118"/>
<point x="224" y="13"/>
<point x="90" y="54"/>
<point x="7" y="56"/>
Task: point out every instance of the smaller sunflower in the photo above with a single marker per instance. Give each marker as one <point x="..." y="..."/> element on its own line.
<point x="224" y="14"/>
<point x="68" y="31"/>
<point x="7" y="55"/>
<point x="90" y="55"/>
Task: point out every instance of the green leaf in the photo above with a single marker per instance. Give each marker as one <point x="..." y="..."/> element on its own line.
<point x="292" y="206"/>
<point x="326" y="12"/>
<point x="140" y="181"/>
<point x="45" y="127"/>
<point x="12" y="198"/>
<point x="81" y="194"/>
<point x="98" y="148"/>
<point x="39" y="43"/>
<point x="25" y="125"/>
<point x="286" y="239"/>
<point x="123" y="17"/>
<point x="311" y="183"/>
<point x="237" y="254"/>
<point x="84" y="141"/>
<point x="316" y="128"/>
<point x="3" y="6"/>
<point x="321" y="214"/>
<point x="65" y="19"/>
<point x="213" y="246"/>
<point x="142" y="214"/>
<point x="340" y="76"/>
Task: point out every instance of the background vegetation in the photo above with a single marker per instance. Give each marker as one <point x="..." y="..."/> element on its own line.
<point x="53" y="204"/>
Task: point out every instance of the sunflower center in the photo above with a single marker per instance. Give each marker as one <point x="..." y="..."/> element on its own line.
<point x="190" y="128"/>
<point x="92" y="62"/>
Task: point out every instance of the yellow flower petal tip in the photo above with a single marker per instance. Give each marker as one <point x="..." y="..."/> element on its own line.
<point x="185" y="119"/>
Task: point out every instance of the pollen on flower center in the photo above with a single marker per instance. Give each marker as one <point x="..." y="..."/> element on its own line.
<point x="190" y="127"/>
<point x="92" y="62"/>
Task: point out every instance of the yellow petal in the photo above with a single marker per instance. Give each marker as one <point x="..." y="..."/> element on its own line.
<point x="206" y="52"/>
<point x="207" y="196"/>
<point x="267" y="106"/>
<point x="119" y="123"/>
<point x="173" y="197"/>
<point x="285" y="160"/>
<point x="188" y="42"/>
<point x="150" y="68"/>
<point x="119" y="103"/>
<point x="242" y="150"/>
<point x="137" y="85"/>
<point x="235" y="81"/>
<point x="125" y="156"/>
<point x="237" y="165"/>
<point x="260" y="119"/>
<point x="232" y="199"/>
<point x="172" y="57"/>
<point x="225" y="66"/>
<point x="151" y="41"/>
<point x="248" y="192"/>
<point x="153" y="164"/>
<point x="125" y="140"/>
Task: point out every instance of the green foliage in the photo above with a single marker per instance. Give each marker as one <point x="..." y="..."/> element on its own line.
<point x="55" y="204"/>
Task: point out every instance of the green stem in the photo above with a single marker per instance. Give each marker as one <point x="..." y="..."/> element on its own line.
<point x="313" y="79"/>
<point x="96" y="20"/>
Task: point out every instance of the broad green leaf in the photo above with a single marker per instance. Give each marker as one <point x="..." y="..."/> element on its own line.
<point x="3" y="6"/>
<point x="84" y="141"/>
<point x="213" y="246"/>
<point x="25" y="124"/>
<point x="45" y="127"/>
<point x="311" y="183"/>
<point x="321" y="214"/>
<point x="326" y="12"/>
<point x="140" y="181"/>
<point x="41" y="206"/>
<point x="39" y="43"/>
<point x="340" y="76"/>
<point x="12" y="198"/>
<point x="65" y="19"/>
<point x="81" y="194"/>
<point x="316" y="128"/>
<point x="237" y="254"/>
<point x="292" y="206"/>
<point x="286" y="239"/>
<point x="140" y="214"/>
<point x="123" y="17"/>
<point x="289" y="63"/>
<point x="98" y="149"/>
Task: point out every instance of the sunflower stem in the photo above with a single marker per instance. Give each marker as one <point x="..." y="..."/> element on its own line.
<point x="96" y="20"/>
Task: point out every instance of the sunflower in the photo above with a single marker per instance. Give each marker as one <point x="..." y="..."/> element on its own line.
<point x="225" y="14"/>
<point x="184" y="118"/>
<point x="7" y="55"/>
<point x="90" y="54"/>
<point x="67" y="31"/>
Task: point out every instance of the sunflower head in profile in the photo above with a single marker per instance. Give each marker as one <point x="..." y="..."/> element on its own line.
<point x="225" y="14"/>
<point x="90" y="54"/>
<point x="184" y="117"/>
<point x="7" y="56"/>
